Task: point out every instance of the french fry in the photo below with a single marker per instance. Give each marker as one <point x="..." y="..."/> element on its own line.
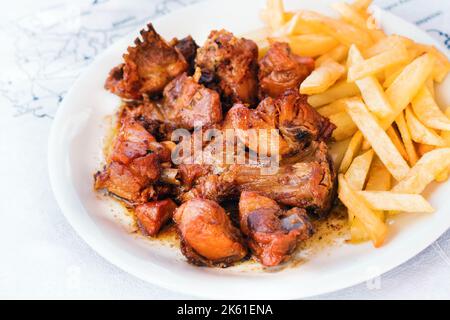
<point x="337" y="54"/>
<point x="357" y="172"/>
<point x="386" y="200"/>
<point x="406" y="86"/>
<point x="345" y="33"/>
<point x="424" y="148"/>
<point x="424" y="172"/>
<point x="420" y="133"/>
<point x="392" y="134"/>
<point x="361" y="5"/>
<point x="390" y="74"/>
<point x="406" y="138"/>
<point x="340" y="90"/>
<point x="428" y="112"/>
<point x="311" y="45"/>
<point x="376" y="229"/>
<point x="345" y="127"/>
<point x="378" y="139"/>
<point x="379" y="178"/>
<point x="275" y="14"/>
<point x="350" y="14"/>
<point x="337" y="151"/>
<point x="378" y="63"/>
<point x="352" y="149"/>
<point x="442" y="64"/>
<point x="386" y="44"/>
<point x="371" y="90"/>
<point x="332" y="108"/>
<point x="322" y="78"/>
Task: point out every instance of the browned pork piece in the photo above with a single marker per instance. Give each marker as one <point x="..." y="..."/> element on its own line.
<point x="299" y="124"/>
<point x="309" y="183"/>
<point x="152" y="216"/>
<point x="187" y="103"/>
<point x="229" y="65"/>
<point x="280" y="70"/>
<point x="134" y="164"/>
<point x="148" y="67"/>
<point x="273" y="233"/>
<point x="305" y="181"/>
<point x="188" y="49"/>
<point x="207" y="236"/>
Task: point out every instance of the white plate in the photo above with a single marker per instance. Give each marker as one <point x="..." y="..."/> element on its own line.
<point x="75" y="154"/>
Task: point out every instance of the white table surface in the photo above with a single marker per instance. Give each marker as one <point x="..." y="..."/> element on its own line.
<point x="45" y="45"/>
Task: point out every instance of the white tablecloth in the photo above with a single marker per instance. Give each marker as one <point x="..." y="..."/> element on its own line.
<point x="45" y="45"/>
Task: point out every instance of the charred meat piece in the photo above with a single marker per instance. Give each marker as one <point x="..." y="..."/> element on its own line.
<point x="188" y="49"/>
<point x="308" y="184"/>
<point x="152" y="216"/>
<point x="134" y="164"/>
<point x="299" y="124"/>
<point x="229" y="65"/>
<point x="132" y="182"/>
<point x="187" y="103"/>
<point x="207" y="235"/>
<point x="280" y="70"/>
<point x="147" y="67"/>
<point x="273" y="233"/>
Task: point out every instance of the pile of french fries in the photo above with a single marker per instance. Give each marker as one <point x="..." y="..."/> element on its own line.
<point x="378" y="90"/>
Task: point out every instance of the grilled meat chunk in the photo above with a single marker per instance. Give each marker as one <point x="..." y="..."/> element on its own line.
<point x="280" y="70"/>
<point x="152" y="216"/>
<point x="187" y="103"/>
<point x="188" y="49"/>
<point x="299" y="124"/>
<point x="308" y="184"/>
<point x="229" y="65"/>
<point x="273" y="233"/>
<point x="147" y="67"/>
<point x="134" y="164"/>
<point x="207" y="235"/>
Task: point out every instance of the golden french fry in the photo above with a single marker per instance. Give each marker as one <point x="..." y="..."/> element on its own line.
<point x="374" y="225"/>
<point x="378" y="63"/>
<point x="442" y="64"/>
<point x="406" y="138"/>
<point x="275" y="14"/>
<point x="357" y="172"/>
<point x="322" y="78"/>
<point x="393" y="135"/>
<point x="379" y="178"/>
<point x="387" y="43"/>
<point x="350" y="14"/>
<point x="337" y="151"/>
<point x="345" y="33"/>
<point x="352" y="150"/>
<point x="386" y="200"/>
<point x="311" y="45"/>
<point x="431" y="87"/>
<point x="378" y="139"/>
<point x="340" y="90"/>
<point x="424" y="172"/>
<point x="420" y="133"/>
<point x="428" y="112"/>
<point x="406" y="86"/>
<point x="332" y="108"/>
<point x="424" y="148"/>
<point x="361" y="5"/>
<point x="390" y="74"/>
<point x="345" y="128"/>
<point x="371" y="90"/>
<point x="337" y="54"/>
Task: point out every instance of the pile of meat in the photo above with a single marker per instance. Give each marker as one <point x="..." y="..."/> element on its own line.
<point x="223" y="84"/>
